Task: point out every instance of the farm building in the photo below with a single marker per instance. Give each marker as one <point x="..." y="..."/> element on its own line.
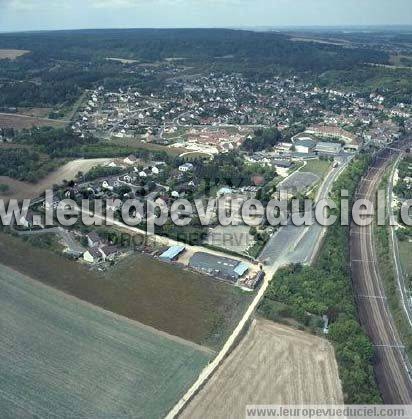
<point x="217" y="266"/>
<point x="172" y="253"/>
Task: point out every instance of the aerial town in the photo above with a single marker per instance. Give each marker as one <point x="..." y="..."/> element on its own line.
<point x="161" y="254"/>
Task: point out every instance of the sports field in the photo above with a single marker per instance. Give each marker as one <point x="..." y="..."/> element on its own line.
<point x="63" y="358"/>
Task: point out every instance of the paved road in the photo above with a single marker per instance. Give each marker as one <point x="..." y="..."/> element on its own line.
<point x="391" y="365"/>
<point x="292" y="244"/>
<point x="270" y="269"/>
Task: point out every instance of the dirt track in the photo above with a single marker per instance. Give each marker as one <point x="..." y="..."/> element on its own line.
<point x="390" y="366"/>
<point x="274" y="364"/>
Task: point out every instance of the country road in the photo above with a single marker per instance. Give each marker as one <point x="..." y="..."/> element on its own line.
<point x="391" y="364"/>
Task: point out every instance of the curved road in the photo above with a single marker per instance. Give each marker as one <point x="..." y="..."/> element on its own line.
<point x="391" y="364"/>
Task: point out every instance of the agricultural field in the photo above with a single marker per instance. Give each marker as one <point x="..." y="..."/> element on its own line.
<point x="17" y="121"/>
<point x="24" y="190"/>
<point x="61" y="357"/>
<point x="12" y="54"/>
<point x="179" y="302"/>
<point x="273" y="364"/>
<point x="35" y="112"/>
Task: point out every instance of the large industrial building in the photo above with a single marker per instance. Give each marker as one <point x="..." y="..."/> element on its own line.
<point x="323" y="147"/>
<point x="220" y="267"/>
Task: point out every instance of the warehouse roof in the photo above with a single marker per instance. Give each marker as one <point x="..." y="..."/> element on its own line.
<point x="221" y="267"/>
<point x="172" y="252"/>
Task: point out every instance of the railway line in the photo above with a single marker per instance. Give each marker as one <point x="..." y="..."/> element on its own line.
<point x="392" y="367"/>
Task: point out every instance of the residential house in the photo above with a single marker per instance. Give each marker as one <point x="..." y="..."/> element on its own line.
<point x="93" y="255"/>
<point x="187" y="167"/>
<point x="130" y="159"/>
<point x="93" y="239"/>
<point x="109" y="252"/>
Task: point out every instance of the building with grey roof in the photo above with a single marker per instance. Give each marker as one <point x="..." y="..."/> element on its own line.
<point x="328" y="148"/>
<point x="218" y="266"/>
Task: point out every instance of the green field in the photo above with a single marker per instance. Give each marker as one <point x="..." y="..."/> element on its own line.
<point x="63" y="358"/>
<point x="317" y="167"/>
<point x="405" y="252"/>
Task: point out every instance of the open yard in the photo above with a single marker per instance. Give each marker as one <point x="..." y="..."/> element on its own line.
<point x="60" y="357"/>
<point x="273" y="364"/>
<point x="158" y="294"/>
<point x="12" y="54"/>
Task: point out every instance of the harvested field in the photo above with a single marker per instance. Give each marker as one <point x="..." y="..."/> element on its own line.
<point x="16" y="121"/>
<point x="274" y="364"/>
<point x="21" y="190"/>
<point x="35" y="112"/>
<point x="12" y="54"/>
<point x="141" y="288"/>
<point x="60" y="357"/>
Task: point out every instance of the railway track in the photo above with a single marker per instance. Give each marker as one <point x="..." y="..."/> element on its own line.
<point x="392" y="367"/>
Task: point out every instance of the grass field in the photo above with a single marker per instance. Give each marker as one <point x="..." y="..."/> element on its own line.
<point x="24" y="121"/>
<point x="317" y="167"/>
<point x="405" y="252"/>
<point x="137" y="144"/>
<point x="273" y="364"/>
<point x="12" y="54"/>
<point x="182" y="303"/>
<point x="63" y="358"/>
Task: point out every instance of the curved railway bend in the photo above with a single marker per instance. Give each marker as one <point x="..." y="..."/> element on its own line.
<point x="392" y="368"/>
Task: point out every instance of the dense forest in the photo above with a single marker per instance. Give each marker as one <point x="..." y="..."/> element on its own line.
<point x="23" y="164"/>
<point x="61" y="64"/>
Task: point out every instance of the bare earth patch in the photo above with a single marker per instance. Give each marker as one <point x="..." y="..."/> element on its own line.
<point x="10" y="120"/>
<point x="274" y="364"/>
<point x="12" y="54"/>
